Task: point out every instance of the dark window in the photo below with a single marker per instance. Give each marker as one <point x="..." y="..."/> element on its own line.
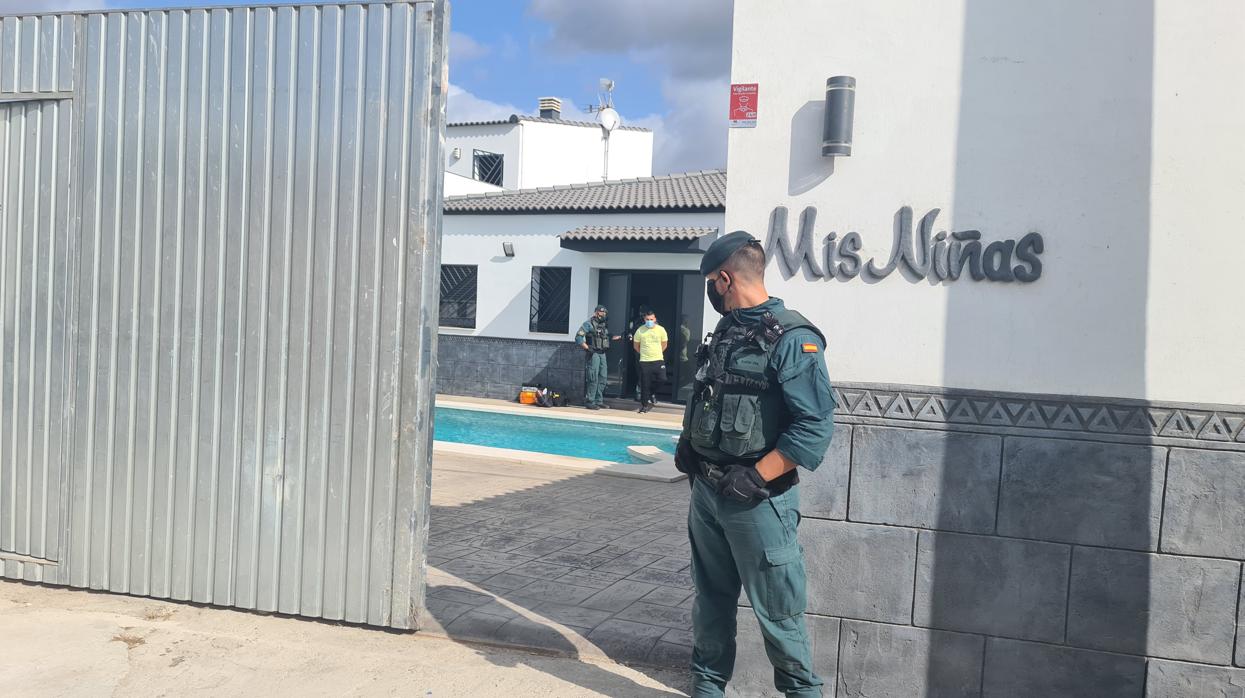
<point x="551" y="300"/>
<point x="487" y="167"/>
<point x="458" y="295"/>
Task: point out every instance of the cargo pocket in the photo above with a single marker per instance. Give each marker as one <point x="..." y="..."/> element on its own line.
<point x="704" y="422"/>
<point x="783" y="577"/>
<point x="740" y="435"/>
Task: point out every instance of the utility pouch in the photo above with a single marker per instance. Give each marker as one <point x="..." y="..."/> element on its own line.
<point x="741" y="430"/>
<point x="704" y="423"/>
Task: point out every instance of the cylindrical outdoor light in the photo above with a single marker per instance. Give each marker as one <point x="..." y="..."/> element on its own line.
<point x="836" y="133"/>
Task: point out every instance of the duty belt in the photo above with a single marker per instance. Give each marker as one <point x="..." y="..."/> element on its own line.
<point x="711" y="471"/>
<point x="714" y="471"/>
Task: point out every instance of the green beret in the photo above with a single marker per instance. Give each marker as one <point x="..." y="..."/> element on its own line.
<point x="601" y="307"/>
<point x="722" y="249"/>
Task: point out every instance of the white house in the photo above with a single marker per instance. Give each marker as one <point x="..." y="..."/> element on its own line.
<point x="521" y="270"/>
<point x="525" y="152"/>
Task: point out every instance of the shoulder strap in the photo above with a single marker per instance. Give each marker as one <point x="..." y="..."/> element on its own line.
<point x="772" y="327"/>
<point x="790" y="320"/>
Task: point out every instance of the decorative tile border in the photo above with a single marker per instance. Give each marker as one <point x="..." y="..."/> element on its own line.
<point x="1210" y="424"/>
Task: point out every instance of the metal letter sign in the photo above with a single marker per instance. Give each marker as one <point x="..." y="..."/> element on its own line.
<point x="744" y="106"/>
<point x="918" y="254"/>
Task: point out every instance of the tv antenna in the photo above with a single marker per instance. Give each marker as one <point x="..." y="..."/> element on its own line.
<point x="605" y="97"/>
<point x="608" y="117"/>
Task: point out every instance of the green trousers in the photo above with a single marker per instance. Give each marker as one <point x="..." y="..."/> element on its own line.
<point x="753" y="544"/>
<point x="594" y="379"/>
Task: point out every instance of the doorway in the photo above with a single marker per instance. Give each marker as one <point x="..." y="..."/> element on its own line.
<point x="677" y="298"/>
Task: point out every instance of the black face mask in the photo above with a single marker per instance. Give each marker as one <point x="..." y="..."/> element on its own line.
<point x="716" y="299"/>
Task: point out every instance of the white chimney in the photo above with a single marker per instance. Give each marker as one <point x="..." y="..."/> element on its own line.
<point x="550" y="108"/>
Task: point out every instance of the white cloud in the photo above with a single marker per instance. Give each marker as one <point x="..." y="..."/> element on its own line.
<point x="691" y="135"/>
<point x="462" y="105"/>
<point x="693" y="37"/>
<point x="463" y="48"/>
<point x="687" y="41"/>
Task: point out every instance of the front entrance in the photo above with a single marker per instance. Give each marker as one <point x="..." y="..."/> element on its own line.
<point x="677" y="298"/>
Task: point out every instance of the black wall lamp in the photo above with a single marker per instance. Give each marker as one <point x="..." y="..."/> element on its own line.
<point x="836" y="132"/>
<point x="508" y="248"/>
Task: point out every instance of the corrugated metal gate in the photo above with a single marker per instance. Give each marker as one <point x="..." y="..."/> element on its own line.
<point x="219" y="287"/>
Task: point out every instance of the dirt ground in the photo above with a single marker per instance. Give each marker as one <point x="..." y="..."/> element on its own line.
<point x="59" y="642"/>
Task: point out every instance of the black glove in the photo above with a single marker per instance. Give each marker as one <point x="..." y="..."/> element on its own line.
<point x="686" y="460"/>
<point x="742" y="484"/>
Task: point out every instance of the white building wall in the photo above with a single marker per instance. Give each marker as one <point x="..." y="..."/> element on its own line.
<point x="631" y="154"/>
<point x="504" y="290"/>
<point x="456" y="184"/>
<point x="563" y="154"/>
<point x="497" y="138"/>
<point x="1107" y="127"/>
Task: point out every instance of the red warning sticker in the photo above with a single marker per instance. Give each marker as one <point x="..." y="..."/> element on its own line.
<point x="744" y="105"/>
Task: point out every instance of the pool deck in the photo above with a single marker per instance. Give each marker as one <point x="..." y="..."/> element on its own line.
<point x="658" y="470"/>
<point x="663" y="419"/>
<point x="561" y="561"/>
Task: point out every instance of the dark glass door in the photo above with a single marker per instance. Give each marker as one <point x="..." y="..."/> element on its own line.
<point x="677" y="299"/>
<point x="686" y="334"/>
<point x="615" y="292"/>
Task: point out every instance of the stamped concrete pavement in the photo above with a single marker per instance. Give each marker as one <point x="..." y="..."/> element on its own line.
<point x="552" y="559"/>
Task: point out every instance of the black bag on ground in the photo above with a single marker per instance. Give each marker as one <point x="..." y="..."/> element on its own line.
<point x="544" y="397"/>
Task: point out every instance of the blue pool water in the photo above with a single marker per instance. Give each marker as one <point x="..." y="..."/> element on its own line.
<point x="566" y="437"/>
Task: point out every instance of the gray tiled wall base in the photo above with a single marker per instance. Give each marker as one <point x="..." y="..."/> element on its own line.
<point x="1157" y="605"/>
<point x="1240" y="627"/>
<point x="1205" y="504"/>
<point x="1078" y="492"/>
<point x="995" y="586"/>
<point x="823" y="492"/>
<point x="925" y="479"/>
<point x="1082" y="563"/>
<point x="891" y="660"/>
<point x="1180" y="680"/>
<point x="492" y="367"/>
<point x="1015" y="669"/>
<point x="754" y="676"/>
<point x="859" y="571"/>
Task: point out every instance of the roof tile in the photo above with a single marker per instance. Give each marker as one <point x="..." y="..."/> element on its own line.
<point x="637" y="232"/>
<point x="693" y="191"/>
<point x="516" y="118"/>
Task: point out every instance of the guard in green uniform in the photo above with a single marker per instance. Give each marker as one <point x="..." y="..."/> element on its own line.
<point x="594" y="338"/>
<point x="761" y="406"/>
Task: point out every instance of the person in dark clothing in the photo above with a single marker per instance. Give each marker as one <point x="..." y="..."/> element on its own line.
<point x="594" y="338"/>
<point x="761" y="407"/>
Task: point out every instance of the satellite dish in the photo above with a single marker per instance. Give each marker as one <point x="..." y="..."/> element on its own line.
<point x="609" y="119"/>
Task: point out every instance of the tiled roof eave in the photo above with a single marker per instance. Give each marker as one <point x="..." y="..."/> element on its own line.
<point x="583" y="209"/>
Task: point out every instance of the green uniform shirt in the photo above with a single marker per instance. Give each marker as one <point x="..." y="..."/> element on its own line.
<point x="586" y="332"/>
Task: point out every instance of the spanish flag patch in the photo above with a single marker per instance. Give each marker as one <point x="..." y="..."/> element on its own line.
<point x="809" y="348"/>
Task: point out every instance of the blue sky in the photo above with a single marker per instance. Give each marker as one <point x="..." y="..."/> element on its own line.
<point x="670" y="60"/>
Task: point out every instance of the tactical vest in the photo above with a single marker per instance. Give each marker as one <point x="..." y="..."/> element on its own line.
<point x="737" y="409"/>
<point x="599" y="338"/>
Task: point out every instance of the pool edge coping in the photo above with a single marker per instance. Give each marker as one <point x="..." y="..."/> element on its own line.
<point x="519" y="457"/>
<point x="583" y="465"/>
<point x="526" y="411"/>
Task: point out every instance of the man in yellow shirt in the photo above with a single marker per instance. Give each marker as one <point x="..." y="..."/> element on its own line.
<point x="650" y="342"/>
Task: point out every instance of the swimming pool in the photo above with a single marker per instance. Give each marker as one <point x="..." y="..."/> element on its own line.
<point x="565" y="437"/>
